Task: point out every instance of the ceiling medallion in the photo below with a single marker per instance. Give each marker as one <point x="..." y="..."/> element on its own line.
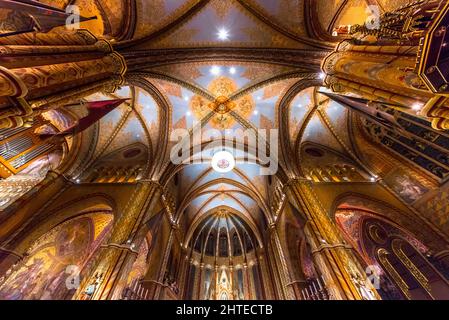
<point x="223" y="162"/>
<point x="222" y="105"/>
<point x="222" y="87"/>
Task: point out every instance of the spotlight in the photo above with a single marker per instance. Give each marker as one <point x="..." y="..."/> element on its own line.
<point x="215" y="70"/>
<point x="417" y="106"/>
<point x="223" y="34"/>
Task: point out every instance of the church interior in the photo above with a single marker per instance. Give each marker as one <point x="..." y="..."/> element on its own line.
<point x="315" y="159"/>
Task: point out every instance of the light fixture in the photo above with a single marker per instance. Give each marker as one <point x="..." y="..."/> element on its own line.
<point x="78" y="180"/>
<point x="215" y="70"/>
<point x="232" y="70"/>
<point x="223" y="34"/>
<point x="188" y="113"/>
<point x="256" y="112"/>
<point x="417" y="106"/>
<point x="322" y="75"/>
<point x="373" y="179"/>
<point x="186" y="98"/>
<point x="223" y="162"/>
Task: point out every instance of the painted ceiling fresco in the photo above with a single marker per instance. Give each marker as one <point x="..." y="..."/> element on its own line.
<point x="192" y="90"/>
<point x="206" y="189"/>
<point x="223" y="79"/>
<point x="249" y="22"/>
<point x="135" y="122"/>
<point x="287" y="13"/>
<point x="154" y="14"/>
<point x="242" y="27"/>
<point x="223" y="67"/>
<point x="327" y="126"/>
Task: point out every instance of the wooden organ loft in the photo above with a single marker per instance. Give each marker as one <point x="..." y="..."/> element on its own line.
<point x="20" y="146"/>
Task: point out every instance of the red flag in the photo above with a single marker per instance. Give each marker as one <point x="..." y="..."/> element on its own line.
<point x="97" y="110"/>
<point x="362" y="107"/>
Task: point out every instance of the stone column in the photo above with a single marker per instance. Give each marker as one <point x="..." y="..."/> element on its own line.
<point x="164" y="264"/>
<point x="53" y="70"/>
<point x="111" y="265"/>
<point x="376" y="72"/>
<point x="399" y="61"/>
<point x="333" y="258"/>
<point x="184" y="275"/>
<point x="217" y="282"/>
<point x="246" y="283"/>
<point x="281" y="265"/>
<point x="200" y="281"/>
<point x="265" y="276"/>
<point x="231" y="281"/>
<point x="272" y="268"/>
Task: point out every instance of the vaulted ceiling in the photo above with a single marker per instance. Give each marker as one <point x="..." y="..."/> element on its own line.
<point x="266" y="23"/>
<point x="262" y="55"/>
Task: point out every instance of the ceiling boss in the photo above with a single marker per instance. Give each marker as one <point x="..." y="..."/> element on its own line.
<point x="222" y="88"/>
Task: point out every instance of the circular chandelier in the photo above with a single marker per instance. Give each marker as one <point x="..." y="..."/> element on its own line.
<point x="223" y="162"/>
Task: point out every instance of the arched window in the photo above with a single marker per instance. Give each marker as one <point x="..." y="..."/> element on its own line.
<point x="412" y="273"/>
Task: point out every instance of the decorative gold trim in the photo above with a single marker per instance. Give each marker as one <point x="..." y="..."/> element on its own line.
<point x="403" y="286"/>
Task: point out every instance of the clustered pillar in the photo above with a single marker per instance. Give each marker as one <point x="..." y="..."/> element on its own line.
<point x="43" y="71"/>
<point x="333" y="258"/>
